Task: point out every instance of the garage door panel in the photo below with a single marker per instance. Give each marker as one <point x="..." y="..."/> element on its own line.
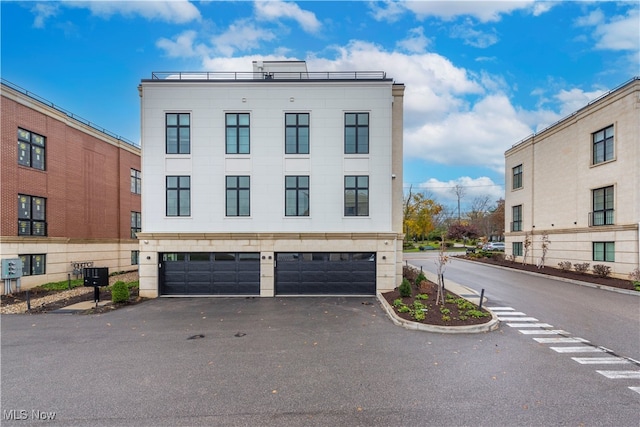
<point x="326" y="273"/>
<point x="210" y="274"/>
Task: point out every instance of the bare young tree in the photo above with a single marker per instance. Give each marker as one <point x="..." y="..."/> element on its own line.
<point x="441" y="261"/>
<point x="527" y="246"/>
<point x="545" y="247"/>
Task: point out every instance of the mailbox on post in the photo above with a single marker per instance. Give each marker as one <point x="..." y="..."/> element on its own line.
<point x="96" y="277"/>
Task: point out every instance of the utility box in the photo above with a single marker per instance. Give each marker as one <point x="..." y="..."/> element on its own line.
<point x="98" y="276"/>
<point x="11" y="268"/>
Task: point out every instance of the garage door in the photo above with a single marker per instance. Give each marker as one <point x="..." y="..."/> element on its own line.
<point x="323" y="273"/>
<point x="204" y="273"/>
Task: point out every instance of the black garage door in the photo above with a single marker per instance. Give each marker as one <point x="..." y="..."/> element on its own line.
<point x="323" y="273"/>
<point x="204" y="273"/>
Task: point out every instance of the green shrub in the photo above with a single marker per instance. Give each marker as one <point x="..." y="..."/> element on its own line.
<point x="397" y="302"/>
<point x="419" y="315"/>
<point x="421" y="277"/>
<point x="119" y="292"/>
<point x="636" y="285"/>
<point x="422" y="296"/>
<point x="476" y="313"/>
<point x="405" y="288"/>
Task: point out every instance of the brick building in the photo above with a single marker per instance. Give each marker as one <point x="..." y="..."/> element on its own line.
<point x="70" y="191"/>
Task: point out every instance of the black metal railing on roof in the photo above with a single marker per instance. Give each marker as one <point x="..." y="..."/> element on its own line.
<point x="68" y="113"/>
<point x="271" y="75"/>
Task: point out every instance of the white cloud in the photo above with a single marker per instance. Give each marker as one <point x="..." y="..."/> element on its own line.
<point x="274" y="10"/>
<point x="482" y="10"/>
<point x="472" y="36"/>
<point x="172" y="11"/>
<point x="620" y="32"/>
<point x="181" y="47"/>
<point x="42" y="12"/>
<point x="443" y="191"/>
<point x="242" y="35"/>
<point x="415" y="42"/>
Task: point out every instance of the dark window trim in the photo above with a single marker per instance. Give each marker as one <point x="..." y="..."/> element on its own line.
<point x="516" y="220"/>
<point x="297" y="126"/>
<point x="237" y="127"/>
<point x="27" y="224"/>
<point x="604" y="251"/>
<point x="178" y="127"/>
<point x="136" y="181"/>
<point x="299" y="190"/>
<point x="25" y="136"/>
<point x="516" y="177"/>
<point x="604" y="216"/>
<point x="178" y="189"/>
<point x="237" y="189"/>
<point x="29" y="264"/>
<point x="359" y="206"/>
<point x="361" y="147"/>
<point x="136" y="223"/>
<point x="604" y="142"/>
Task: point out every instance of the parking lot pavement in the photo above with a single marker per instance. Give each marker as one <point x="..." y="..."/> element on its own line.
<point x="260" y="361"/>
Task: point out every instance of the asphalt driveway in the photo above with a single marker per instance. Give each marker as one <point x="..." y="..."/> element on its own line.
<point x="260" y="361"/>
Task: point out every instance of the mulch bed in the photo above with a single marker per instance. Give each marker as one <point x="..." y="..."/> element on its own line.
<point x="433" y="315"/>
<point x="613" y="282"/>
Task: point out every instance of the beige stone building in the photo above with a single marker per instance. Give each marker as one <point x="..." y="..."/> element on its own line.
<point x="577" y="184"/>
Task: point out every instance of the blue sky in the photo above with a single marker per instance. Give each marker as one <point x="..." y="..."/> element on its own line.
<point x="480" y="76"/>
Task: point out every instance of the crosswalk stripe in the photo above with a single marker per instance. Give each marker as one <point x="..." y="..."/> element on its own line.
<point x="621" y="374"/>
<point x="529" y="325"/>
<point x="581" y="349"/>
<point x="517" y="319"/>
<point x="559" y="340"/>
<point x="501" y="308"/>
<point x="636" y="389"/>
<point x="599" y="360"/>
<point x="543" y="332"/>
<point x="512" y="313"/>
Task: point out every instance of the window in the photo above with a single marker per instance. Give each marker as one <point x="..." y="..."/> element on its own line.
<point x="604" y="251"/>
<point x="31" y="216"/>
<point x="516" y="248"/>
<point x="136" y="224"/>
<point x="237" y="127"/>
<point x="603" y="145"/>
<point x="602" y="206"/>
<point x="178" y="133"/>
<point x="238" y="196"/>
<point x="136" y="182"/>
<point x="296" y="133"/>
<point x="135" y="257"/>
<point x="356" y="133"/>
<point x="517" y="177"/>
<point x="178" y="196"/>
<point x="31" y="149"/>
<point x="33" y="265"/>
<point x="296" y="196"/>
<point x="516" y="216"/>
<point x="356" y="195"/>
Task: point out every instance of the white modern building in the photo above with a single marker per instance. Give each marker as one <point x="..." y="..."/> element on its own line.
<point x="279" y="181"/>
<point x="578" y="183"/>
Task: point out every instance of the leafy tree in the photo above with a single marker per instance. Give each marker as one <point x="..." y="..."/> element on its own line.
<point x="419" y="213"/>
<point x="462" y="230"/>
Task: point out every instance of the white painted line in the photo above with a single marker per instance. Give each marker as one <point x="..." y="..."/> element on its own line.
<point x="600" y="360"/>
<point x="636" y="389"/>
<point x="529" y="325"/>
<point x="517" y="319"/>
<point x="559" y="340"/>
<point x="581" y="349"/>
<point x="616" y="375"/>
<point x="544" y="332"/>
<point x="501" y="308"/>
<point x="512" y="313"/>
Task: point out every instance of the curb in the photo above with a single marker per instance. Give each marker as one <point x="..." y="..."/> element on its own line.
<point x="491" y="325"/>
<point x="559" y="279"/>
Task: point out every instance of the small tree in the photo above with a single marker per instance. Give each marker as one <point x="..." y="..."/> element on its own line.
<point x="440" y="261"/>
<point x="527" y="245"/>
<point x="545" y="248"/>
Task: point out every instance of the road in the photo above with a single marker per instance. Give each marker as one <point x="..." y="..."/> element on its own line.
<point x="301" y="362"/>
<point x="605" y="318"/>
